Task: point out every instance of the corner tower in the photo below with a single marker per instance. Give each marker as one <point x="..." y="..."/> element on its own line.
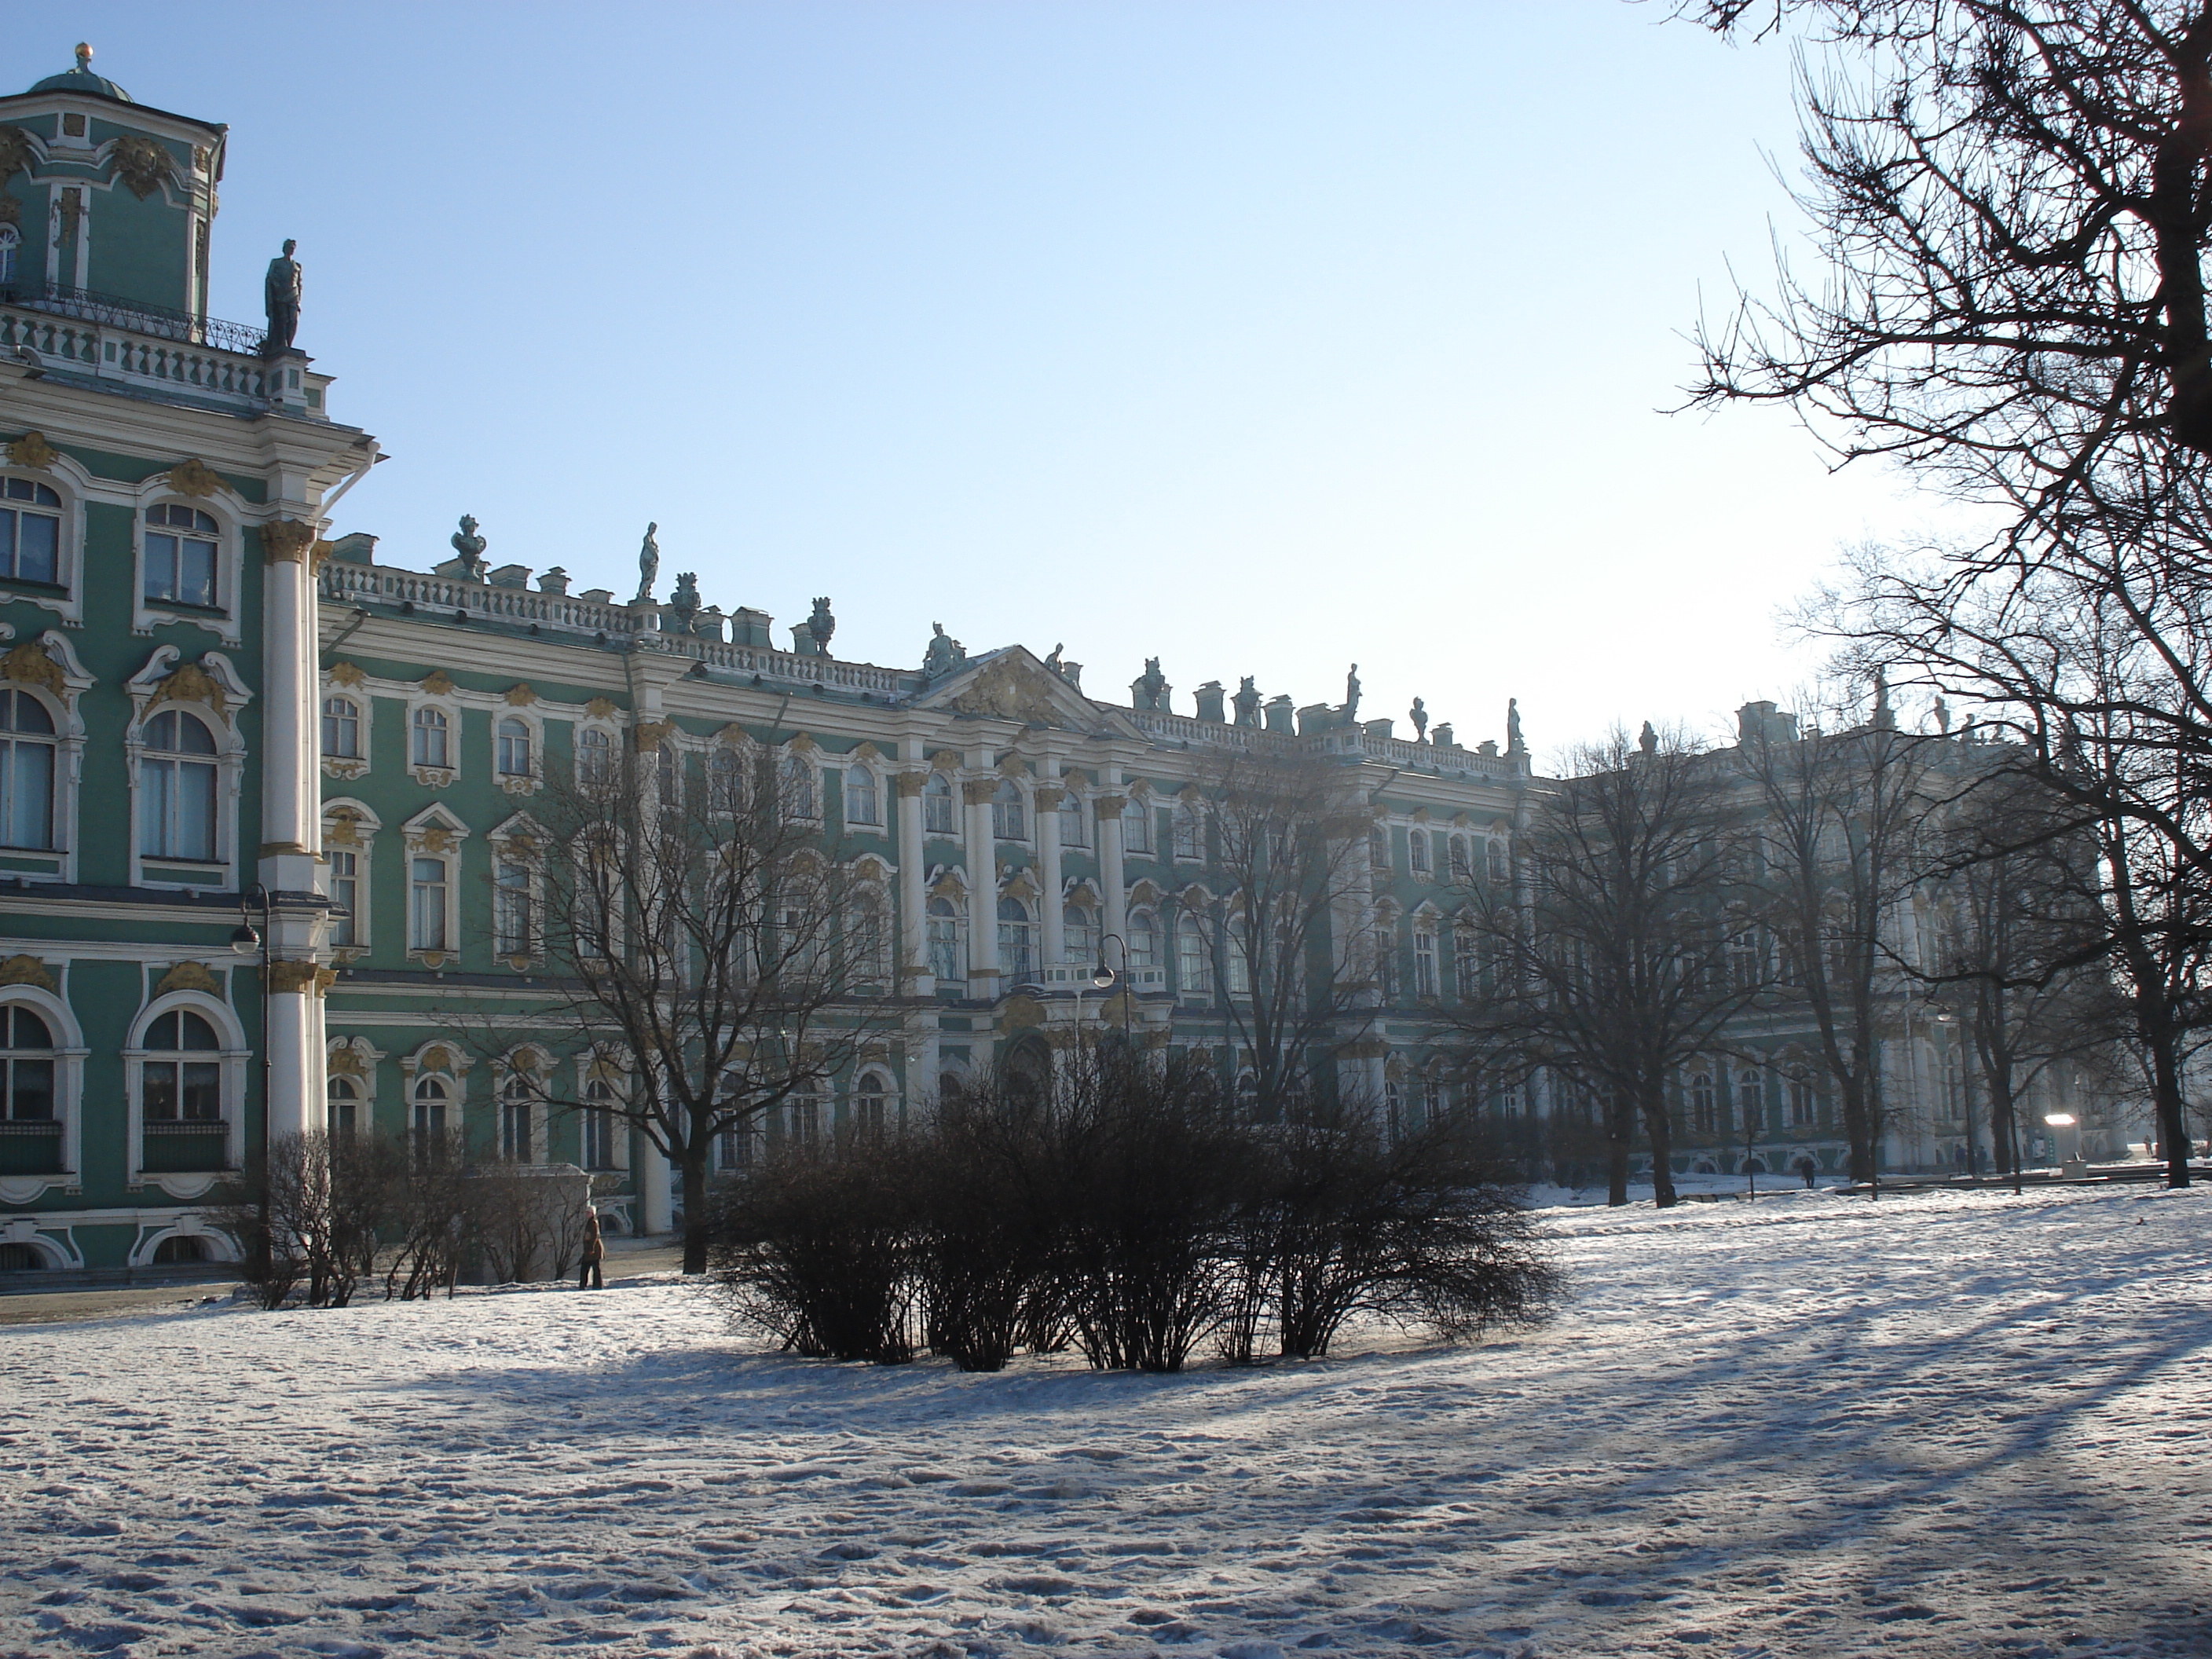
<point x="103" y="196"/>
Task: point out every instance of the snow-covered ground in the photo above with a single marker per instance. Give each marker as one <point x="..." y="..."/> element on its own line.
<point x="1952" y="1424"/>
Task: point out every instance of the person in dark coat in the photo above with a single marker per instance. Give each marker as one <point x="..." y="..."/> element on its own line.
<point x="1807" y="1168"/>
<point x="595" y="1252"/>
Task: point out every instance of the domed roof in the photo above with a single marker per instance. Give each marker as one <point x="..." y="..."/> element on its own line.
<point x="82" y="79"/>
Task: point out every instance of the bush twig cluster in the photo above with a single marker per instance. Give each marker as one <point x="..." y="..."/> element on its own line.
<point x="1125" y="1207"/>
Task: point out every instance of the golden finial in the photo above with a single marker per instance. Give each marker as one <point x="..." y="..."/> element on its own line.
<point x="84" y="58"/>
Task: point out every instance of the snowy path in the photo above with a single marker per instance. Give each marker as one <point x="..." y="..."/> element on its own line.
<point x="1946" y="1425"/>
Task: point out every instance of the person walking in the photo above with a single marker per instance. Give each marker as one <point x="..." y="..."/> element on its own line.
<point x="595" y="1252"/>
<point x="1807" y="1168"/>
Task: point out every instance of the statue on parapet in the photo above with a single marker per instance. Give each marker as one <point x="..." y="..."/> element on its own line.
<point x="1647" y="741"/>
<point x="280" y="293"/>
<point x="1514" y="745"/>
<point x="1053" y="662"/>
<point x="1419" y="715"/>
<point x="1246" y="701"/>
<point x="685" y="602"/>
<point x="469" y="548"/>
<point x="649" y="565"/>
<point x="944" y="654"/>
<point x="821" y="625"/>
<point x="1352" y="696"/>
<point x="1149" y="690"/>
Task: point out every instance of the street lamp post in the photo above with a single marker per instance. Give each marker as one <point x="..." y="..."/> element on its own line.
<point x="1104" y="976"/>
<point x="244" y="941"/>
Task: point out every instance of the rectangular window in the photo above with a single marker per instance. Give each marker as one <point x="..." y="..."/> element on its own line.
<point x="599" y="1138"/>
<point x="177" y="810"/>
<point x="179" y="569"/>
<point x="1137" y="826"/>
<point x="345" y="891"/>
<point x="27" y="795"/>
<point x="30" y="1091"/>
<point x="30" y="545"/>
<point x="427" y="909"/>
<point x="340" y="728"/>
<point x="430" y="730"/>
<point x="1424" y="964"/>
<point x="1189" y="838"/>
<point x="1074" y="816"/>
<point x="515" y="932"/>
<point x="1497" y="860"/>
<point x="187" y="1091"/>
<point x="861" y="798"/>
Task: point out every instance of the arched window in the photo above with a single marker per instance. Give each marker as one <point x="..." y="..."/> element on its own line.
<point x="181" y="1084"/>
<point x="1460" y="868"/>
<point x="178" y="1249"/>
<point x="1704" y="1112"/>
<point x="1144" y="940"/>
<point x="598" y="1124"/>
<point x="1748" y="960"/>
<point x="1078" y="933"/>
<point x="26" y="1068"/>
<point x="938" y="817"/>
<point x="432" y="1095"/>
<point x="1466" y="961"/>
<point x="26" y="771"/>
<point x="1239" y="959"/>
<point x="1194" y="962"/>
<point x="1189" y="831"/>
<point x="1017" y="939"/>
<point x="342" y="728"/>
<point x="1137" y="825"/>
<point x="1750" y="1100"/>
<point x="516" y="1098"/>
<point x="1417" y="850"/>
<point x="30" y="526"/>
<point x="433" y="738"/>
<point x="861" y="798"/>
<point x="1498" y="861"/>
<point x="1801" y="1099"/>
<point x="1074" y="819"/>
<point x="1378" y="847"/>
<point x="946" y="960"/>
<point x="11" y="243"/>
<point x="428" y="884"/>
<point x="1008" y="813"/>
<point x="864" y="935"/>
<point x="514" y="748"/>
<point x="177" y="788"/>
<point x="595" y="758"/>
<point x="180" y="547"/>
<point x="343" y="1118"/>
<point x="868" y="1105"/>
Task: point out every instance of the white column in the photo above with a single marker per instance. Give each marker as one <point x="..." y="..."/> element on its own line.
<point x="1046" y="806"/>
<point x="656" y="1213"/>
<point x="913" y="921"/>
<point x="295" y="1079"/>
<point x="982" y="889"/>
<point x="288" y="792"/>
<point x="1114" y="896"/>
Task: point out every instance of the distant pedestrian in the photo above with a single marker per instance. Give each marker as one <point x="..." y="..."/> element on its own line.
<point x="595" y="1252"/>
<point x="1807" y="1168"/>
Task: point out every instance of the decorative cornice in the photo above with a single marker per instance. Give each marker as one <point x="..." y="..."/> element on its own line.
<point x="520" y="694"/>
<point x="190" y="683"/>
<point x="437" y="683"/>
<point x="348" y="673"/>
<point x="28" y="664"/>
<point x="601" y="708"/>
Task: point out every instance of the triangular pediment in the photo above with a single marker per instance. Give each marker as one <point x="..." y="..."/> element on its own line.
<point x="1011" y="684"/>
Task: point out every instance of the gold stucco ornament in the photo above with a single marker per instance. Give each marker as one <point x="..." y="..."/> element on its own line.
<point x="33" y="451"/>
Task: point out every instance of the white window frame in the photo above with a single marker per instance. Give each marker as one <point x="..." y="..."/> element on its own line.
<point x="58" y="862"/>
<point x="233" y="1055"/>
<point x="226" y="619"/>
<point x="875" y="787"/>
<point x="532" y="777"/>
<point x="146" y="689"/>
<point x="1137" y="814"/>
<point x="422" y="842"/>
<point x="67" y="480"/>
<point x="69" y="1054"/>
<point x="341" y="815"/>
<point x="434" y="777"/>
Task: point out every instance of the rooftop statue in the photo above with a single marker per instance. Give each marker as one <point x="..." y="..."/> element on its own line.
<point x="280" y="294"/>
<point x="1053" y="662"/>
<point x="1150" y="688"/>
<point x="944" y="654"/>
<point x="685" y="602"/>
<point x="1352" y="695"/>
<point x="468" y="547"/>
<point x="1419" y="715"/>
<point x="1246" y="701"/>
<point x="1647" y="739"/>
<point x="821" y="625"/>
<point x="649" y="565"/>
<point x="1514" y="745"/>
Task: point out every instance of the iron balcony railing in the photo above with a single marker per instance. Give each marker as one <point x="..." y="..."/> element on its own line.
<point x="113" y="311"/>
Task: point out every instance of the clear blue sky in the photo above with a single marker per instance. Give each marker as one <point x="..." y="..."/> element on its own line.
<point x="1262" y="338"/>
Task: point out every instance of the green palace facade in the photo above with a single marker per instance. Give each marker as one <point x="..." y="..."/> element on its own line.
<point x="215" y="716"/>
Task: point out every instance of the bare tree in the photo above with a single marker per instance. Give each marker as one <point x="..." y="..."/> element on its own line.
<point x="695" y="920"/>
<point x="1608" y="962"/>
<point x="1292" y="953"/>
<point x="1840" y="820"/>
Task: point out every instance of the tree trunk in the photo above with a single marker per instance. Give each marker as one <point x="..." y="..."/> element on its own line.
<point x="1661" y="1133"/>
<point x="1858" y="1128"/>
<point x="2172" y="1132"/>
<point x="696" y="1225"/>
<point x="1620" y="1118"/>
